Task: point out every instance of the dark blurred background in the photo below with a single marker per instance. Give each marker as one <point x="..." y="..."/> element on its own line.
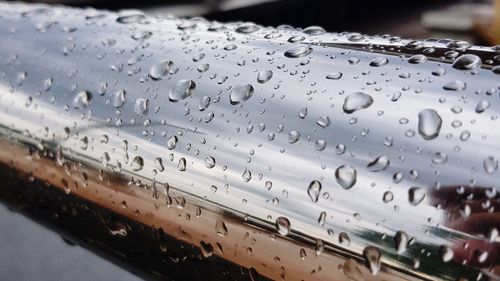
<point x="471" y="20"/>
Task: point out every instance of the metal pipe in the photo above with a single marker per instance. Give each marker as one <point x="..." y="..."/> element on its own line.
<point x="190" y="149"/>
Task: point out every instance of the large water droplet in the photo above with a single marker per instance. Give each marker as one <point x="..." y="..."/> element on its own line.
<point x="240" y="93"/>
<point x="159" y="70"/>
<point x="141" y="106"/>
<point x="210" y="162"/>
<point x="298" y="51"/>
<point x="221" y="228"/>
<point x="293" y="136"/>
<point x="247" y="29"/>
<point x="446" y="253"/>
<point x="455" y="85"/>
<point x="380" y="163"/>
<point x="490" y="164"/>
<point x="119" y="98"/>
<point x="283" y="225"/>
<point x="429" y="123"/>
<point x="314" y="190"/>
<point x="264" y="76"/>
<point x="346" y="176"/>
<point x="182" y="89"/>
<point x="137" y="163"/>
<point x="482" y="106"/>
<point x="314" y="30"/>
<point x="172" y="142"/>
<point x="372" y="258"/>
<point x="379" y="61"/>
<point x="400" y="241"/>
<point x="356" y="101"/>
<point x="334" y="76"/>
<point x="82" y="99"/>
<point x="416" y="195"/>
<point x="467" y="62"/>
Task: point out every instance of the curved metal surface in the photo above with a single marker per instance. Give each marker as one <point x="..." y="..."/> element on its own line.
<point x="191" y="148"/>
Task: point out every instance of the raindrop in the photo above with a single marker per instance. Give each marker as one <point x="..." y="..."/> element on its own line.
<point x="446" y="253"/>
<point x="334" y="76"/>
<point x="264" y="76"/>
<point x="380" y="61"/>
<point x="416" y="59"/>
<point x="210" y="162"/>
<point x="182" y="89"/>
<point x="467" y="62"/>
<point x="314" y="190"/>
<point x="240" y="93"/>
<point x="247" y="175"/>
<point x="323" y="121"/>
<point x="372" y="258"/>
<point x="314" y="30"/>
<point x="141" y="106"/>
<point x="429" y="124"/>
<point x="119" y="98"/>
<point x="220" y="228"/>
<point x="142" y="35"/>
<point x="293" y="136"/>
<point x="137" y="163"/>
<point x="490" y="164"/>
<point x="283" y="225"/>
<point x="357" y="101"/>
<point x="298" y="51"/>
<point x="416" y="195"/>
<point x="82" y="99"/>
<point x="400" y="241"/>
<point x="159" y="70"/>
<point x="455" y="85"/>
<point x="172" y="142"/>
<point x="380" y="163"/>
<point x="482" y="106"/>
<point x="247" y="29"/>
<point x="181" y="165"/>
<point x="346" y="176"/>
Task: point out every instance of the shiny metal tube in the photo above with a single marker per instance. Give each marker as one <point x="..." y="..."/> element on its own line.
<point x="194" y="150"/>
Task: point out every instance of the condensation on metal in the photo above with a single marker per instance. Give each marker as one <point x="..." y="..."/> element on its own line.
<point x="379" y="151"/>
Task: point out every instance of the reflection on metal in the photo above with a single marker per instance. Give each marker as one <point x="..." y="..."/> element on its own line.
<point x="195" y="150"/>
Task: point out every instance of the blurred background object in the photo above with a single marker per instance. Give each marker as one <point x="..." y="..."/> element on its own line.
<point x="473" y="21"/>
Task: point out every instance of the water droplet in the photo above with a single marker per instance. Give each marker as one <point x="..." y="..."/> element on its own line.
<point x="416" y="195"/>
<point x="247" y="175"/>
<point x="141" y="106"/>
<point x="131" y="18"/>
<point x="323" y="121"/>
<point x="387" y="197"/>
<point x="172" y="142"/>
<point x="400" y="241"/>
<point x="429" y="123"/>
<point x="283" y="226"/>
<point x="247" y="29"/>
<point x="334" y="76"/>
<point x="182" y="89"/>
<point x="372" y="258"/>
<point x="455" y="85"/>
<point x="346" y="176"/>
<point x="264" y="76"/>
<point x="314" y="190"/>
<point x="490" y="164"/>
<point x="303" y="113"/>
<point x="119" y="98"/>
<point x="220" y="228"/>
<point x="344" y="239"/>
<point x="467" y="62"/>
<point x="298" y="51"/>
<point x="380" y="163"/>
<point x="210" y="162"/>
<point x="82" y="99"/>
<point x="181" y="165"/>
<point x="357" y="101"/>
<point x="379" y="61"/>
<point x="240" y="93"/>
<point x="446" y="253"/>
<point x="137" y="163"/>
<point x="159" y="70"/>
<point x="293" y="136"/>
<point x="141" y="35"/>
<point x="482" y="106"/>
<point x="416" y="59"/>
<point x="314" y="30"/>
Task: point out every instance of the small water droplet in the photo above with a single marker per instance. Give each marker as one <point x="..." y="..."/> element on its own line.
<point x="210" y="162"/>
<point x="490" y="164"/>
<point x="334" y="76"/>
<point x="372" y="258"/>
<point x="119" y="98"/>
<point x="416" y="195"/>
<point x="159" y="70"/>
<point x="141" y="106"/>
<point x="400" y="241"/>
<point x="455" y="85"/>
<point x="137" y="163"/>
<point x="379" y="61"/>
